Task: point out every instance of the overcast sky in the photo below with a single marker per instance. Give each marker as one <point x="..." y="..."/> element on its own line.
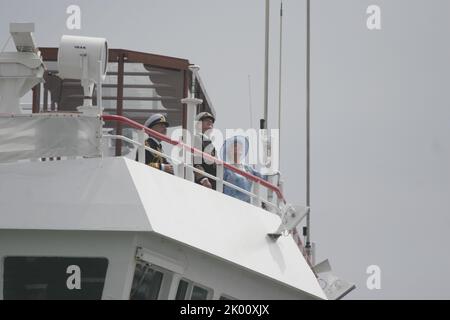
<point x="380" y="113"/>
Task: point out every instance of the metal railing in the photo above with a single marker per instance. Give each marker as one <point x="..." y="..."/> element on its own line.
<point x="255" y="195"/>
<point x="257" y="181"/>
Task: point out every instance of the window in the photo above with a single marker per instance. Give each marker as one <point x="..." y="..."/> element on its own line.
<point x="61" y="278"/>
<point x="182" y="290"/>
<point x="225" y="297"/>
<point x="146" y="282"/>
<point x="190" y="291"/>
<point x="199" y="293"/>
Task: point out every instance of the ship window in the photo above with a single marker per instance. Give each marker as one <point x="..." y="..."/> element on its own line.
<point x="199" y="293"/>
<point x="62" y="278"/>
<point x="146" y="282"/>
<point x="187" y="290"/>
<point x="182" y="290"/>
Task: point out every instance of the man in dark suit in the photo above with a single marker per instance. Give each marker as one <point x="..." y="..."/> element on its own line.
<point x="203" y="142"/>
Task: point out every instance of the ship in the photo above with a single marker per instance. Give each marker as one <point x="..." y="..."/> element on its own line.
<point x="81" y="218"/>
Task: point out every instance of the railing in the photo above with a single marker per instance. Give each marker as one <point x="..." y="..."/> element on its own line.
<point x="255" y="196"/>
<point x="220" y="165"/>
<point x="257" y="180"/>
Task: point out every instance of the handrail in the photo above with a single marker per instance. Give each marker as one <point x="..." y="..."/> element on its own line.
<point x="178" y="162"/>
<point x="164" y="138"/>
<point x="296" y="237"/>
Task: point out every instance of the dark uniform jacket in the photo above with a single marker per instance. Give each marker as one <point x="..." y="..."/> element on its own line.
<point x="203" y="143"/>
<point x="152" y="159"/>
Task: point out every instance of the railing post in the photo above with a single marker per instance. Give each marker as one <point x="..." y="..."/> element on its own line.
<point x="256" y="201"/>
<point x="178" y="170"/>
<point x="219" y="174"/>
<point x="119" y="103"/>
<point x="188" y="135"/>
<point x="36" y="98"/>
<point x="281" y="186"/>
<point x="100" y="88"/>
<point x="142" y="136"/>
<point x="272" y="196"/>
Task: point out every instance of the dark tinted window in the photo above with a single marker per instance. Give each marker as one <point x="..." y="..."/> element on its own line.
<point x="182" y="289"/>
<point x="199" y="293"/>
<point x="53" y="278"/>
<point x="146" y="283"/>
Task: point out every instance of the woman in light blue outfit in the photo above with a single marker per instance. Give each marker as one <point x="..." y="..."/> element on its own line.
<point x="234" y="150"/>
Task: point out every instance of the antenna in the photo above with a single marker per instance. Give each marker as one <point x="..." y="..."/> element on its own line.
<point x="279" y="80"/>
<point x="250" y="100"/>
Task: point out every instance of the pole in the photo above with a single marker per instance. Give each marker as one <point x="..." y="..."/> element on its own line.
<point x="188" y="134"/>
<point x="100" y="88"/>
<point x="308" y="101"/>
<point x="119" y="99"/>
<point x="279" y="80"/>
<point x="266" y="66"/>
<point x="250" y="100"/>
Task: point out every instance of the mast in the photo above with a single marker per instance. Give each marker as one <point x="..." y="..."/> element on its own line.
<point x="308" y="101"/>
<point x="266" y="67"/>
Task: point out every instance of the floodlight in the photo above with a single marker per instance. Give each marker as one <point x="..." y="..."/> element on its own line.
<point x="83" y="58"/>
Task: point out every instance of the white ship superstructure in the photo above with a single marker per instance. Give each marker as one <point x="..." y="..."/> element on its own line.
<point x="81" y="219"/>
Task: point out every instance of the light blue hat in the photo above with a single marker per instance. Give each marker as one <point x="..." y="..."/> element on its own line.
<point x="228" y="144"/>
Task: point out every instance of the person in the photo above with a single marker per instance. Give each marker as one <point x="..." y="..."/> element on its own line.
<point x="158" y="123"/>
<point x="203" y="142"/>
<point x="234" y="151"/>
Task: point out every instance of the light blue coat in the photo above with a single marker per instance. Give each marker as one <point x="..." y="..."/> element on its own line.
<point x="235" y="178"/>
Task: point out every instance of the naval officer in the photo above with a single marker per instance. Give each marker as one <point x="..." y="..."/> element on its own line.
<point x="159" y="123"/>
<point x="203" y="142"/>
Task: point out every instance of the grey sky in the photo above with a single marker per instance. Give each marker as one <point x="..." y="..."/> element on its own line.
<point x="380" y="113"/>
